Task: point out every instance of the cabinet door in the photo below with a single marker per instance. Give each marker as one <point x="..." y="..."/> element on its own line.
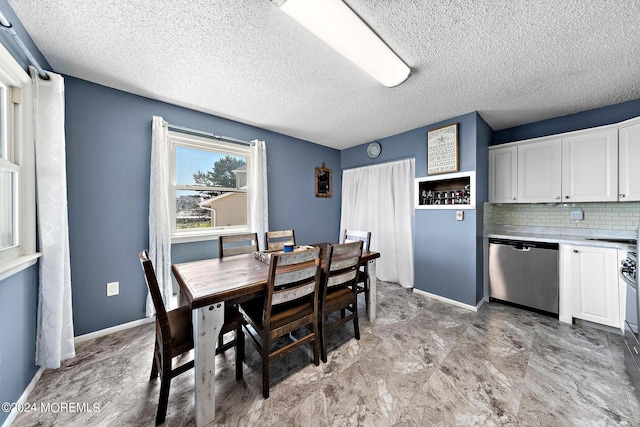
<point x="590" y="167"/>
<point x="503" y="175"/>
<point x="539" y="171"/>
<point x="594" y="281"/>
<point x="629" y="163"/>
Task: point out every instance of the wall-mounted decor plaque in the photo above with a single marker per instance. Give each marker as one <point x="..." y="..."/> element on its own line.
<point x="442" y="150"/>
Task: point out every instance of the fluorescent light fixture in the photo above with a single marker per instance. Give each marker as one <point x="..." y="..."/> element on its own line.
<point x="335" y="24"/>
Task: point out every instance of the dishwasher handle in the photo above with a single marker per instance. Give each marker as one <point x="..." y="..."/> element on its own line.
<point x="524" y="245"/>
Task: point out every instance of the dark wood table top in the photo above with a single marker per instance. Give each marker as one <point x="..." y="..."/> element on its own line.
<point x="229" y="279"/>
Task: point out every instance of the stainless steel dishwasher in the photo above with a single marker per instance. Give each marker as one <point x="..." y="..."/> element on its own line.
<point x="524" y="273"/>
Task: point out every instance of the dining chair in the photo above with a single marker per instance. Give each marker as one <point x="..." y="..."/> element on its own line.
<point x="363" y="273"/>
<point x="275" y="240"/>
<point x="174" y="337"/>
<point x="339" y="289"/>
<point x="291" y="303"/>
<point x="237" y="244"/>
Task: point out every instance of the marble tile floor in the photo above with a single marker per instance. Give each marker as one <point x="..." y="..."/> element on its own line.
<point x="421" y="363"/>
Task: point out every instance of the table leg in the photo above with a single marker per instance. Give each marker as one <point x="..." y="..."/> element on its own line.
<point x="371" y="267"/>
<point x="207" y="323"/>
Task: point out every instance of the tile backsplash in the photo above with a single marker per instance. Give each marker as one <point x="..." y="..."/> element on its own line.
<point x="602" y="216"/>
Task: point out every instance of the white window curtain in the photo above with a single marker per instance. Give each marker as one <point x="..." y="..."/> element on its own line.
<point x="159" y="213"/>
<point x="54" y="341"/>
<point x="379" y="199"/>
<point x="258" y="203"/>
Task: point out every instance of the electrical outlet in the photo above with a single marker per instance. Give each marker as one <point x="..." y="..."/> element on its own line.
<point x="459" y="215"/>
<point x="577" y="215"/>
<point x="113" y="288"/>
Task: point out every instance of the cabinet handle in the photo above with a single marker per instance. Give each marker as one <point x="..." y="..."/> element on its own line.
<point x="558" y="198"/>
<point x="566" y="197"/>
<point x="515" y="198"/>
<point x="575" y="251"/>
<point x="621" y="196"/>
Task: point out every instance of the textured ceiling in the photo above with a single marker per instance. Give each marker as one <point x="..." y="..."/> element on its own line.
<point x="514" y="62"/>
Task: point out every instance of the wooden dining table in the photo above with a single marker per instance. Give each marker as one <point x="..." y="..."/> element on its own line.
<point x="207" y="286"/>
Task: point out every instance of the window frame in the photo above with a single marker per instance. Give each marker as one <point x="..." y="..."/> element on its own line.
<point x="20" y="153"/>
<point x="188" y="140"/>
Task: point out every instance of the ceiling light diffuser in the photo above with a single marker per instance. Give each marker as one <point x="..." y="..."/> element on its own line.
<point x="334" y="23"/>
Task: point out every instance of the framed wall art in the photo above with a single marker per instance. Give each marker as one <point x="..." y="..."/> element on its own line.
<point x="442" y="150"/>
<point x="323" y="182"/>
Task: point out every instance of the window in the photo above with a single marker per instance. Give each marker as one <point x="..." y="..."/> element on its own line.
<point x="209" y="186"/>
<point x="17" y="176"/>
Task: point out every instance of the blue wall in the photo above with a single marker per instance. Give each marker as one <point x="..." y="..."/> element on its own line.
<point x="584" y="120"/>
<point x="18" y="305"/>
<point x="447" y="253"/>
<point x="108" y="162"/>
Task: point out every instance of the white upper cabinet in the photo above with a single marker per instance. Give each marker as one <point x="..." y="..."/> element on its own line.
<point x="590" y="167"/>
<point x="503" y="175"/>
<point x="539" y="171"/>
<point x="629" y="163"/>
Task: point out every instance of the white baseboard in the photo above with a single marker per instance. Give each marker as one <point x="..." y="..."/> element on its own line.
<point x="118" y="328"/>
<point x="23" y="398"/>
<point x="451" y="301"/>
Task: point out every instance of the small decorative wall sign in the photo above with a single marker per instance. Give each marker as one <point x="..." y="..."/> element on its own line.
<point x="442" y="150"/>
<point x="323" y="182"/>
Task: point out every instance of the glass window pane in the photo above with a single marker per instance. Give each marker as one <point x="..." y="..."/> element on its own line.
<point x="6" y="209"/>
<point x="208" y="168"/>
<point x="200" y="209"/>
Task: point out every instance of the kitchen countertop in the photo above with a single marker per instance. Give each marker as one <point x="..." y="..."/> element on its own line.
<point x="573" y="236"/>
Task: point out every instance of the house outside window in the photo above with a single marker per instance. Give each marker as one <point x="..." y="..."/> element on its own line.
<point x="209" y="186"/>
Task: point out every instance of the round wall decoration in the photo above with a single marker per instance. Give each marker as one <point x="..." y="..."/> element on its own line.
<point x="373" y="150"/>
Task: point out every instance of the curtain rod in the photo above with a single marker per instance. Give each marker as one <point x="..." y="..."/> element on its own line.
<point x="207" y="134"/>
<point x="379" y="162"/>
<point x="4" y="23"/>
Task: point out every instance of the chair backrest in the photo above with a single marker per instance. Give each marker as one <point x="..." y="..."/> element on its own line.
<point x="293" y="276"/>
<point x="341" y="265"/>
<point x="237" y="244"/>
<point x="355" y="235"/>
<point x="152" y="283"/>
<point x="274" y="240"/>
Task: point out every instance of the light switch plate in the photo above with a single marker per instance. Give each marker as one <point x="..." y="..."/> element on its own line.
<point x="459" y="215"/>
<point x="577" y="215"/>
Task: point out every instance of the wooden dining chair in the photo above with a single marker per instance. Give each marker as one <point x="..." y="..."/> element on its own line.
<point x="339" y="289"/>
<point x="363" y="274"/>
<point x="275" y="240"/>
<point x="237" y="244"/>
<point x="174" y="337"/>
<point x="291" y="303"/>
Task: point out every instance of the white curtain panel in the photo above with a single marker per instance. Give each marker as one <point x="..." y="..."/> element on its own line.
<point x="379" y="199"/>
<point x="159" y="213"/>
<point x="259" y="202"/>
<point x="54" y="341"/>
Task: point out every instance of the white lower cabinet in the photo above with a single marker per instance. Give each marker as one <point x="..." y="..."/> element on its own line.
<point x="590" y="277"/>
